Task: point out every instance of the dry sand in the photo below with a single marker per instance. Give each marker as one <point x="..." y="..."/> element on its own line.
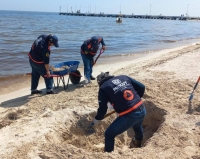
<point x="53" y="126"/>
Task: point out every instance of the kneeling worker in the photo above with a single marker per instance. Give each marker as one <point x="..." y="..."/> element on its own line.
<point x="124" y="93"/>
<point x="39" y="61"/>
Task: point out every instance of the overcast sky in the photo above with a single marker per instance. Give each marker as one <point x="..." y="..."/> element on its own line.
<point x="153" y="7"/>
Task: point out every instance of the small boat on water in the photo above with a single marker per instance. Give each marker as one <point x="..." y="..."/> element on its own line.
<point x="119" y="20"/>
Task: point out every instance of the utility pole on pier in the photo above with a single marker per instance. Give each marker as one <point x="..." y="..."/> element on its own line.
<point x="150" y="9"/>
<point x="120" y="9"/>
<point x="187" y="10"/>
<point x="60" y="9"/>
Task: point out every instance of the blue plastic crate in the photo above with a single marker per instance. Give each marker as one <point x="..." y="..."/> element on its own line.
<point x="73" y="65"/>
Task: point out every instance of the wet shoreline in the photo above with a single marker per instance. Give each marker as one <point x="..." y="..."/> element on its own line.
<point x="14" y="82"/>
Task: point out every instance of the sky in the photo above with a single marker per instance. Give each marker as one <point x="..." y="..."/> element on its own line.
<point x="137" y="7"/>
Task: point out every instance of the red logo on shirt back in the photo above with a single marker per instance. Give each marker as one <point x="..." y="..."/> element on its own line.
<point x="128" y="95"/>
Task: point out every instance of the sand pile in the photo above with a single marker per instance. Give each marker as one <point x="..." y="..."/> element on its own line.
<point x="54" y="126"/>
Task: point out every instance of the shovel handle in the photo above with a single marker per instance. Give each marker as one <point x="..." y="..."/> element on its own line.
<point x="195" y="86"/>
<point x="101" y="52"/>
<point x="108" y="114"/>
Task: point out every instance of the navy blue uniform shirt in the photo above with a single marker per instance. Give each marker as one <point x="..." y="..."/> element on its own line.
<point x="40" y="50"/>
<point x="122" y="92"/>
<point x="91" y="46"/>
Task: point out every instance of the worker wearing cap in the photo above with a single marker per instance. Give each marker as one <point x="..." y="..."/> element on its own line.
<point x="39" y="58"/>
<point x="124" y="93"/>
<point x="89" y="49"/>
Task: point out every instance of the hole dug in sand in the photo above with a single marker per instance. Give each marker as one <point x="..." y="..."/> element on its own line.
<point x="152" y="121"/>
<point x="74" y="131"/>
<point x="76" y="134"/>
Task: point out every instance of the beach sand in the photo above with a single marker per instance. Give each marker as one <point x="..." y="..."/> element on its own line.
<point x="53" y="126"/>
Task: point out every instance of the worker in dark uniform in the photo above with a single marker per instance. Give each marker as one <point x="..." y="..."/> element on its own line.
<point x="39" y="61"/>
<point x="88" y="50"/>
<point x="124" y="94"/>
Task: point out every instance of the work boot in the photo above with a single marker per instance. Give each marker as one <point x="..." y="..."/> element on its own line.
<point x="51" y="92"/>
<point x="87" y="83"/>
<point x="92" y="78"/>
<point x="135" y="143"/>
<point x="36" y="92"/>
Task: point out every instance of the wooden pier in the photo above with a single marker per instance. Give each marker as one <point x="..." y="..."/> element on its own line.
<point x="132" y="16"/>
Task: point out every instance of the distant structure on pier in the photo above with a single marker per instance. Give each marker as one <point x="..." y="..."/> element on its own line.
<point x="182" y="17"/>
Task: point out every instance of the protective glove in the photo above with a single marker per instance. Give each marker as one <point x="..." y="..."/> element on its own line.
<point x="109" y="105"/>
<point x="95" y="122"/>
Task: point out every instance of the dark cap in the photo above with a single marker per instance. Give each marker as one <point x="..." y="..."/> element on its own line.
<point x="94" y="40"/>
<point x="101" y="77"/>
<point x="54" y="39"/>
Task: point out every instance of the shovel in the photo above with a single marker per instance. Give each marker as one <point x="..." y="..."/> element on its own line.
<point x="101" y="52"/>
<point x="108" y="114"/>
<point x="195" y="86"/>
<point x="90" y="130"/>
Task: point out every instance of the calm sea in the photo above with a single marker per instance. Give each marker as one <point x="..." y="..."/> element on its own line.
<point x="18" y="30"/>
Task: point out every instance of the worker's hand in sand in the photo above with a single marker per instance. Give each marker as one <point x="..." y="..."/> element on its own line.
<point x="109" y="105"/>
<point x="95" y="122"/>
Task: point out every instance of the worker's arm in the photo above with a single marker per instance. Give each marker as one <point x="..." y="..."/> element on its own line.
<point x="103" y="44"/>
<point x="103" y="100"/>
<point x="45" y="55"/>
<point x="139" y="87"/>
<point x="47" y="70"/>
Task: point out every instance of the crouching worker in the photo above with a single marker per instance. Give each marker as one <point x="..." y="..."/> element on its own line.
<point x="39" y="58"/>
<point x="124" y="93"/>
